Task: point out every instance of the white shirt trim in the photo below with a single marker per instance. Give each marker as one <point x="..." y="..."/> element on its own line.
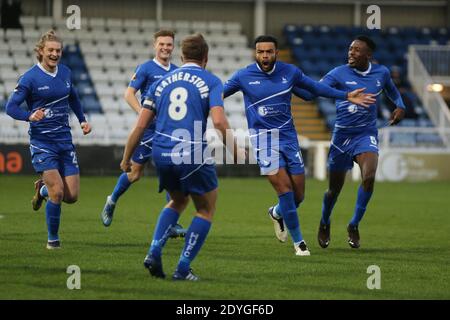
<point x="161" y="65"/>
<point x="51" y="74"/>
<point x="363" y="73"/>
<point x="190" y="64"/>
<point x="268" y="72"/>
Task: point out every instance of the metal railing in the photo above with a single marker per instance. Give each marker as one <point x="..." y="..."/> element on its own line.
<point x="421" y="80"/>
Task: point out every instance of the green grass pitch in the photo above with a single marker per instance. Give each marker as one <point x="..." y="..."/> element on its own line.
<point x="405" y="232"/>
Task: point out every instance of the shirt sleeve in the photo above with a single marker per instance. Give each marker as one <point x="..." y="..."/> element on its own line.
<point x="307" y="95"/>
<point x="149" y="98"/>
<point x="138" y="78"/>
<point x="232" y="85"/>
<point x="392" y="92"/>
<point x="215" y="94"/>
<point x="19" y="95"/>
<point x="75" y="105"/>
<point x="319" y="88"/>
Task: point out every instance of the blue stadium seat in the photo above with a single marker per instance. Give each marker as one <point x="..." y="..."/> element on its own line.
<point x="429" y="139"/>
<point x="91" y="104"/>
<point x="403" y="139"/>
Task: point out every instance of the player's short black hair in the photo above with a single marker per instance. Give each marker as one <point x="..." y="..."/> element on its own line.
<point x="370" y="43"/>
<point x="266" y="38"/>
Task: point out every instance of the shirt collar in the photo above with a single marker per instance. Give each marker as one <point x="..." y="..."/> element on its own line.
<point x="268" y="72"/>
<point x="51" y="74"/>
<point x="363" y="73"/>
<point x="167" y="68"/>
<point x="190" y="64"/>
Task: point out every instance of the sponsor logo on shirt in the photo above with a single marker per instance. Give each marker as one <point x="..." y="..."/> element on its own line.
<point x="158" y="76"/>
<point x="350" y="82"/>
<point x="43" y="88"/>
<point x="254" y="82"/>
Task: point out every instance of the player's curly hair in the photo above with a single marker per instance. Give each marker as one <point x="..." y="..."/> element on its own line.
<point x="48" y="36"/>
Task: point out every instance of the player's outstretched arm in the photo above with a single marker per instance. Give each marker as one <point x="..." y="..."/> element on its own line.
<point x="303" y="94"/>
<point x="146" y="116"/>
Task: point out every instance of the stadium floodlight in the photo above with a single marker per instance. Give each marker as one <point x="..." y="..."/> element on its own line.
<point x="435" y="87"/>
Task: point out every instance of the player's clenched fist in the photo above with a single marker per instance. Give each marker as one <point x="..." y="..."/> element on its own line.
<point x="125" y="165"/>
<point x="86" y="127"/>
<point x="38" y="115"/>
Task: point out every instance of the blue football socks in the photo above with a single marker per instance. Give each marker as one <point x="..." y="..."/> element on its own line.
<point x="289" y="214"/>
<point x="361" y="204"/>
<point x="167" y="219"/>
<point x="327" y="207"/>
<point x="122" y="185"/>
<point x="195" y="237"/>
<point x="53" y="217"/>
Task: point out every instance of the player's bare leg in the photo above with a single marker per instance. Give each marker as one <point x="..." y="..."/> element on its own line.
<point x="368" y="162"/>
<point x="282" y="183"/>
<point x="335" y="184"/>
<point x="71" y="188"/>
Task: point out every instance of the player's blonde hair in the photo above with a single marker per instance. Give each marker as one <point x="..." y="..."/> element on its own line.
<point x="48" y="36"/>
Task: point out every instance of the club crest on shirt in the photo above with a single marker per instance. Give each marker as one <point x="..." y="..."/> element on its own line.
<point x="352" y="108"/>
<point x="262" y="111"/>
<point x="48" y="113"/>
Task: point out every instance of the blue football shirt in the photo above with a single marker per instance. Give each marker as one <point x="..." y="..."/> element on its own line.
<point x="351" y="118"/>
<point x="52" y="91"/>
<point x="182" y="100"/>
<point x="145" y="75"/>
<point x="267" y="97"/>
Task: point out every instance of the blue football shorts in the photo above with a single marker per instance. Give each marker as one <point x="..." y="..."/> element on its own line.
<point x="143" y="152"/>
<point x="288" y="156"/>
<point x="188" y="178"/>
<point x="344" y="148"/>
<point x="59" y="155"/>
